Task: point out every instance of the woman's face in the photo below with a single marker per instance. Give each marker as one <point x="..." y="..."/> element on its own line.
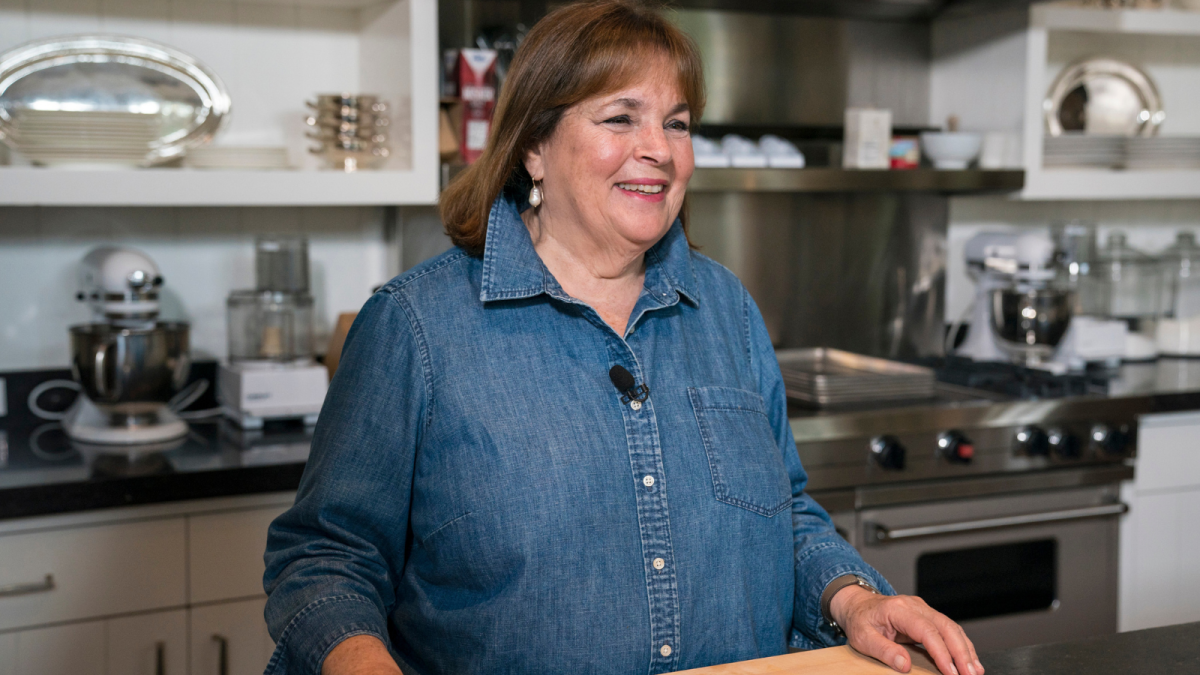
<point x="618" y="164"/>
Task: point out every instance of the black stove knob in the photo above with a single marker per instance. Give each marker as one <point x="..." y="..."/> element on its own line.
<point x="955" y="447"/>
<point x="1064" y="444"/>
<point x="1110" y="441"/>
<point x="888" y="452"/>
<point x="1032" y="441"/>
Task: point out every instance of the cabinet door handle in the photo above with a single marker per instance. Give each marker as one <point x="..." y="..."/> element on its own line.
<point x="42" y="586"/>
<point x="160" y="658"/>
<point x="222" y="654"/>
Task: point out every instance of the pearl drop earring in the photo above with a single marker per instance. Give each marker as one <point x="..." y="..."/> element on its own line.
<point x="535" y="196"/>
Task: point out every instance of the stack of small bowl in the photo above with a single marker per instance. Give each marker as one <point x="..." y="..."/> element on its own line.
<point x="351" y="129"/>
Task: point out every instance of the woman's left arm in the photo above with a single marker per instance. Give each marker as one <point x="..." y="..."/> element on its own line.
<point x="872" y="623"/>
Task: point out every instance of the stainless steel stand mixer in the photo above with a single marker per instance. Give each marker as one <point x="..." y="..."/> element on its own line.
<point x="1021" y="310"/>
<point x="128" y="363"/>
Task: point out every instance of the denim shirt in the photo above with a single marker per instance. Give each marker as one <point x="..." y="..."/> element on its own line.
<point x="480" y="499"/>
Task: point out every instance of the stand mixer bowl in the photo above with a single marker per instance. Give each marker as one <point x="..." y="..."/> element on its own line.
<point x="130" y="370"/>
<point x="1029" y="322"/>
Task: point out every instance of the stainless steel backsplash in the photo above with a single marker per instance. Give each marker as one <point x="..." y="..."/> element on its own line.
<point x="864" y="272"/>
<point x="772" y="69"/>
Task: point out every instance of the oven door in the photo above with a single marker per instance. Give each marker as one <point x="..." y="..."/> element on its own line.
<point x="1012" y="570"/>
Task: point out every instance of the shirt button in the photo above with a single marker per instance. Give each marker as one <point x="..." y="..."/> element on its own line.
<point x="659" y="563"/>
<point x="636" y="405"/>
<point x="648" y="481"/>
<point x="665" y="650"/>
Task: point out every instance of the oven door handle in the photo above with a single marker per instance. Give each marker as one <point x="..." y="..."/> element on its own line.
<point x="878" y="534"/>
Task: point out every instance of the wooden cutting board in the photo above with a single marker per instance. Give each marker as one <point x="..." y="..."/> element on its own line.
<point x="831" y="661"/>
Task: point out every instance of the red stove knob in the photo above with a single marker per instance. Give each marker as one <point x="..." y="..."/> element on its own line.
<point x="955" y="447"/>
<point x="888" y="452"/>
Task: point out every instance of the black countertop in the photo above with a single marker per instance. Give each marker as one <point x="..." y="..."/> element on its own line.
<point x="43" y="472"/>
<point x="1172" y="649"/>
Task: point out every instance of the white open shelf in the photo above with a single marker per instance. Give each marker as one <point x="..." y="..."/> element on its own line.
<point x="32" y="186"/>
<point x="1098" y="20"/>
<point x="993" y="71"/>
<point x="273" y="56"/>
<point x="1100" y="184"/>
<point x="1058" y="35"/>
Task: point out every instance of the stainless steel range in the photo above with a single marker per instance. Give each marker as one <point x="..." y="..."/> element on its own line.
<point x="997" y="503"/>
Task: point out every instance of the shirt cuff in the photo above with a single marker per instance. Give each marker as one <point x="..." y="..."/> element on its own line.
<point x="322" y="625"/>
<point x="817" y="566"/>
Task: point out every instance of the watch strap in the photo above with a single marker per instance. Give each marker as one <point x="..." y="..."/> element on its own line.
<point x="832" y="588"/>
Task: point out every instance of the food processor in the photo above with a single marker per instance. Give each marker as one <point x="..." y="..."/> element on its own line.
<point x="271" y="373"/>
<point x="127" y="362"/>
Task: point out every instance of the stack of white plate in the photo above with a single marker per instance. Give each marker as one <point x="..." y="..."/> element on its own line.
<point x="1162" y="152"/>
<point x="829" y="377"/>
<point x="62" y="138"/>
<point x="1081" y="150"/>
<point x="237" y="157"/>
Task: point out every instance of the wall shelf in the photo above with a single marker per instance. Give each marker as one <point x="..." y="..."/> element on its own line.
<point x="1132" y="21"/>
<point x="273" y="55"/>
<point x="1103" y="184"/>
<point x="32" y="186"/>
<point x="846" y="180"/>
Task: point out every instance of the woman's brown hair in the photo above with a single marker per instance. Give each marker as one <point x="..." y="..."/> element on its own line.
<point x="574" y="53"/>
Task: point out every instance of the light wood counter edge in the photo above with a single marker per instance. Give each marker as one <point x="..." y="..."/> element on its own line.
<point x="830" y="661"/>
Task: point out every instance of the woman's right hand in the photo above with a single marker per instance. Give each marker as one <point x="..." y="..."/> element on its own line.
<point x="360" y="655"/>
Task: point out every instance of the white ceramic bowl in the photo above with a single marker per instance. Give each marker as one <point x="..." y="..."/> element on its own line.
<point x="951" y="150"/>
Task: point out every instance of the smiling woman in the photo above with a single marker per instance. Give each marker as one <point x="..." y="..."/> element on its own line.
<point x="576" y="53"/>
<point x="563" y="446"/>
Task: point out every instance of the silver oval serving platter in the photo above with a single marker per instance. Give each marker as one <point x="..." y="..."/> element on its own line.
<point x="107" y="100"/>
<point x="1103" y="97"/>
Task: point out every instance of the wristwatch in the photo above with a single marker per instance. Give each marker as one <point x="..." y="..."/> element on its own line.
<point x="831" y="590"/>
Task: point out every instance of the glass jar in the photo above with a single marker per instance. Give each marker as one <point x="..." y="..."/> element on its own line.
<point x="1181" y="277"/>
<point x="1179" y="330"/>
<point x="1076" y="242"/>
<point x="1132" y="292"/>
<point x="270" y="326"/>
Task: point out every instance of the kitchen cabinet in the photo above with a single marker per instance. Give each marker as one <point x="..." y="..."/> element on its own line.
<point x="1160" y="551"/>
<point x="8" y="653"/>
<point x="129" y="583"/>
<point x="230" y="639"/>
<point x="92" y="571"/>
<point x="132" y="645"/>
<point x="272" y="57"/>
<point x="226" y="553"/>
<point x="136" y="644"/>
<point x="74" y="649"/>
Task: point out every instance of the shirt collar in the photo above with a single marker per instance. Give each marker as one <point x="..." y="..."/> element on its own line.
<point x="512" y="268"/>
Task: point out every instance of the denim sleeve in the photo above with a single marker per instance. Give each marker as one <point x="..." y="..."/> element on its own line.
<point x="333" y="559"/>
<point x="821" y="555"/>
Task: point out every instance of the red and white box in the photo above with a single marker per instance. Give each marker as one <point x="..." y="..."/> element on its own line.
<point x="477" y="89"/>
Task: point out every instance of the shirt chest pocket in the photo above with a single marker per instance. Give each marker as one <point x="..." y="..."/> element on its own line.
<point x="746" y="465"/>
